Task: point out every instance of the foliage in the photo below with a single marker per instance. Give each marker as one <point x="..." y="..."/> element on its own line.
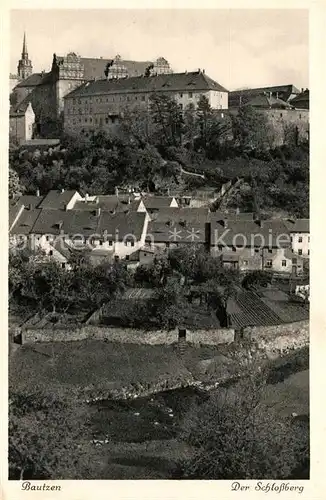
<point x="169" y="305"/>
<point x="46" y="286"/>
<point x="14" y="188"/>
<point x="46" y="436"/>
<point x="236" y="435"/>
<point x="256" y="279"/>
<point x="251" y="130"/>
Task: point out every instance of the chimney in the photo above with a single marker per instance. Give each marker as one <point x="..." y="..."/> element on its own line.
<point x="129" y="200"/>
<point x="62" y="190"/>
<point x="117" y="191"/>
<point x="302" y="90"/>
<point x="225" y="223"/>
<point x="86" y="197"/>
<point x="37" y="192"/>
<point x="65" y="207"/>
<point x="98" y="211"/>
<point x="203" y="71"/>
<point x="237" y="210"/>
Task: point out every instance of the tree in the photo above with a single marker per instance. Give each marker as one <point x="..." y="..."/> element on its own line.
<point x="15" y="189"/>
<point x="169" y="305"/>
<point x="251" y="130"/>
<point x="167" y="116"/>
<point x="256" y="279"/>
<point x="46" y="436"/>
<point x="236" y="435"/>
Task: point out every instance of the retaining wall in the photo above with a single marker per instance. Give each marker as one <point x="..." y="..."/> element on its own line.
<point x="279" y="339"/>
<point x="127" y="335"/>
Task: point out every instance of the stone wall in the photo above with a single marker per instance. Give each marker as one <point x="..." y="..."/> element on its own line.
<point x="279" y="339"/>
<point x="126" y="335"/>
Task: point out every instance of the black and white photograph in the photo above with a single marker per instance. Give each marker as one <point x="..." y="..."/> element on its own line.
<point x="159" y="246"/>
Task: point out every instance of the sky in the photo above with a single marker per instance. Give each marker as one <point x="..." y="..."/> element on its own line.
<point x="237" y="48"/>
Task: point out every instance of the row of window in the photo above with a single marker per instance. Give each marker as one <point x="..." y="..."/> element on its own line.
<point x="96" y="121"/>
<point x="127" y="243"/>
<point x="111" y="98"/>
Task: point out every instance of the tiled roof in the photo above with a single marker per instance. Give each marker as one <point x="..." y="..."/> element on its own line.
<point x="34" y="80"/>
<point x="264" y="101"/>
<point x="109" y="203"/>
<point x="26" y="221"/>
<point x="57" y="200"/>
<point x="21" y="108"/>
<point x="181" y="214"/>
<point x="284" y="91"/>
<point x="28" y="200"/>
<point x="157" y="202"/>
<point x="269" y="231"/>
<point x="301" y="99"/>
<point x="74" y="222"/>
<point x="176" y="232"/>
<point x="122" y="224"/>
<point x="298" y="226"/>
<point x="172" y="82"/>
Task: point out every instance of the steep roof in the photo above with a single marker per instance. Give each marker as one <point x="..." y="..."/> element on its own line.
<point x="56" y="199"/>
<point x="121" y="225"/>
<point x="265" y="101"/>
<point x="27" y="200"/>
<point x="34" y="80"/>
<point x="26" y="222"/>
<point x="95" y="68"/>
<point x="174" y="232"/>
<point x="157" y="202"/>
<point x="301" y="100"/>
<point x="193" y="81"/>
<point x="238" y="230"/>
<point x="180" y="214"/>
<point x="74" y="222"/>
<point x="284" y="91"/>
<point x="21" y="107"/>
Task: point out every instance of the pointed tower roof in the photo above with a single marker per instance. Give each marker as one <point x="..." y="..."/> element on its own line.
<point x="24" y="52"/>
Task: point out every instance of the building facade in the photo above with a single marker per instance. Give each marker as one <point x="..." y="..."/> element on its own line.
<point x="46" y="90"/>
<point x="21" y="123"/>
<point x="99" y="104"/>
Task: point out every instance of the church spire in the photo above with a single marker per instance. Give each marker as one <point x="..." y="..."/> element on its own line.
<point x="25" y="67"/>
<point x="24" y="53"/>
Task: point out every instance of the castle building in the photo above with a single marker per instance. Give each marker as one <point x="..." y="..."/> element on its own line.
<point x="46" y="90"/>
<point x="100" y="103"/>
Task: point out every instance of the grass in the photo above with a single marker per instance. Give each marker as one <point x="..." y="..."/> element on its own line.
<point x="81" y="364"/>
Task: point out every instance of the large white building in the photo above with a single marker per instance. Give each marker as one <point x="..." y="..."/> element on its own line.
<point x="99" y="103"/>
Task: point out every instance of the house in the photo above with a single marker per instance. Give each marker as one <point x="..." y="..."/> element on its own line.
<point x="99" y="103"/>
<point x="301" y="101"/>
<point x="110" y="203"/>
<point x="54" y="226"/>
<point x="21" y="122"/>
<point x="142" y="256"/>
<point x="156" y="203"/>
<point x="241" y="244"/>
<point x="300" y="236"/>
<point x="267" y="101"/>
<point x="283" y="260"/>
<point x="171" y="228"/>
<point x="60" y="200"/>
<point x="240" y="97"/>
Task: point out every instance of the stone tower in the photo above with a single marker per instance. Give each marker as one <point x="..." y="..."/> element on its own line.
<point x="25" y="67"/>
